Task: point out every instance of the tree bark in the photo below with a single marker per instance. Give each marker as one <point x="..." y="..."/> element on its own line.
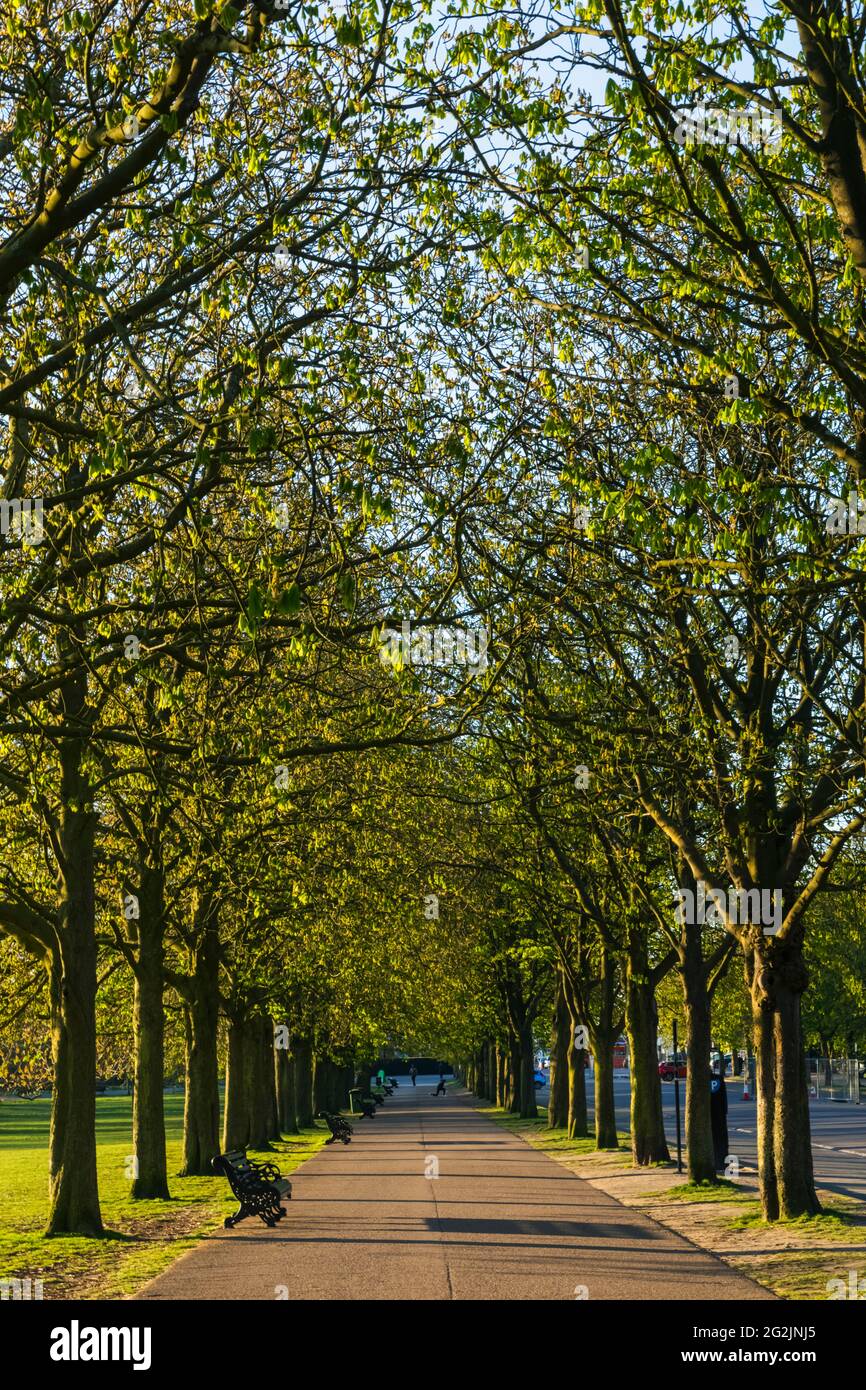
<point x="578" y="1116"/>
<point x="201" y="1111"/>
<point x="776" y="974"/>
<point x="324" y="1085"/>
<point x="73" y="1187"/>
<point x="286" y="1091"/>
<point x="489" y="1073"/>
<point x="560" y="1042"/>
<point x="148" y="1115"/>
<point x="501" y="1087"/>
<point x="648" y="1143"/>
<point x="236" y="1120"/>
<point x="482" y="1071"/>
<point x="270" y="1079"/>
<point x="603" y="1032"/>
<point x="699" y="1134"/>
<point x="514" y="1076"/>
<point x="528" y="1107"/>
<point x="259" y="1097"/>
<point x="604" y="1108"/>
<point x="345" y="1081"/>
<point x="302" y="1061"/>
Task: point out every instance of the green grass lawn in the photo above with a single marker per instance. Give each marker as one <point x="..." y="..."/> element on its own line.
<point x="146" y="1235"/>
<point x="556" y="1141"/>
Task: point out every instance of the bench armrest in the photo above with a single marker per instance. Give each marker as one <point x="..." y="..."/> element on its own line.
<point x="269" y="1171"/>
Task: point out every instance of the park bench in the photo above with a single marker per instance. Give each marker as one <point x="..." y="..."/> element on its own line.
<point x="339" y="1127"/>
<point x="378" y="1094"/>
<point x="366" y="1104"/>
<point x="259" y="1187"/>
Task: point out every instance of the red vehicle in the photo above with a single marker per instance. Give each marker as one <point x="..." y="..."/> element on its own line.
<point x="668" y="1070"/>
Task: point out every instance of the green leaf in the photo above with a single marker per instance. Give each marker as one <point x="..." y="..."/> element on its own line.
<point x="347" y="589"/>
<point x="289" y="602"/>
<point x="350" y="32"/>
<point x="255" y="604"/>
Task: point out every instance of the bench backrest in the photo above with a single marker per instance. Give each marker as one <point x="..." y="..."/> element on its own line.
<point x="237" y="1160"/>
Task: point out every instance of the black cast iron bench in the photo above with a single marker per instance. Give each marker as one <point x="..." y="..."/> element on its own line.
<point x="259" y="1187"/>
<point x="339" y="1127"/>
<point x="365" y="1104"/>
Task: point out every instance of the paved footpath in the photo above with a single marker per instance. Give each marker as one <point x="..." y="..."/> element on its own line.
<point x="501" y="1221"/>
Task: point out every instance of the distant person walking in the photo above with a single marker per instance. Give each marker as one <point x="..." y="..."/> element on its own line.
<point x="413" y="1072"/>
<point x="440" y="1089"/>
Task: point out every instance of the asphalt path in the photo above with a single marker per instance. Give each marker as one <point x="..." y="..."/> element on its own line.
<point x="433" y="1201"/>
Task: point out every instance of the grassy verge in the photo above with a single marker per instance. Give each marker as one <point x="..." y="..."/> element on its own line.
<point x="721" y="1191"/>
<point x="840" y="1220"/>
<point x="554" y="1141"/>
<point x="146" y="1236"/>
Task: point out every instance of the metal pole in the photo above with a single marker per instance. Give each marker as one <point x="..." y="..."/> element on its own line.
<point x="677" y="1103"/>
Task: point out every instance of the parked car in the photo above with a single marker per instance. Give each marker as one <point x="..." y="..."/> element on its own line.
<point x="668" y="1070"/>
<point x="540" y="1079"/>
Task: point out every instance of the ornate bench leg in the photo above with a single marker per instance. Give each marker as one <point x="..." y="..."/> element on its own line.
<point x="238" y="1216"/>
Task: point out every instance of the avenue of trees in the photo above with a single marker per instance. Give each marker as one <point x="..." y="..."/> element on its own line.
<point x="325" y="332"/>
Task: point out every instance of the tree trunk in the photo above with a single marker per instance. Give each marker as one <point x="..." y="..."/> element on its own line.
<point x="323" y="1085"/>
<point x="482" y="1071"/>
<point x="501" y="1076"/>
<point x="699" y="1134"/>
<point x="605" y="1110"/>
<point x="259" y="1098"/>
<point x="268" y="1080"/>
<point x="201" y="1111"/>
<point x="648" y="1143"/>
<point x="528" y="1107"/>
<point x="336" y="1086"/>
<point x="73" y="1188"/>
<point x="514" y="1077"/>
<point x="236" y="1121"/>
<point x="578" y="1118"/>
<point x="777" y="977"/>
<point x="148" y="1116"/>
<point x="345" y="1081"/>
<point x="302" y="1061"/>
<point x="270" y="1076"/>
<point x="560" y="1041"/>
<point x="488" y="1093"/>
<point x="286" y="1091"/>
